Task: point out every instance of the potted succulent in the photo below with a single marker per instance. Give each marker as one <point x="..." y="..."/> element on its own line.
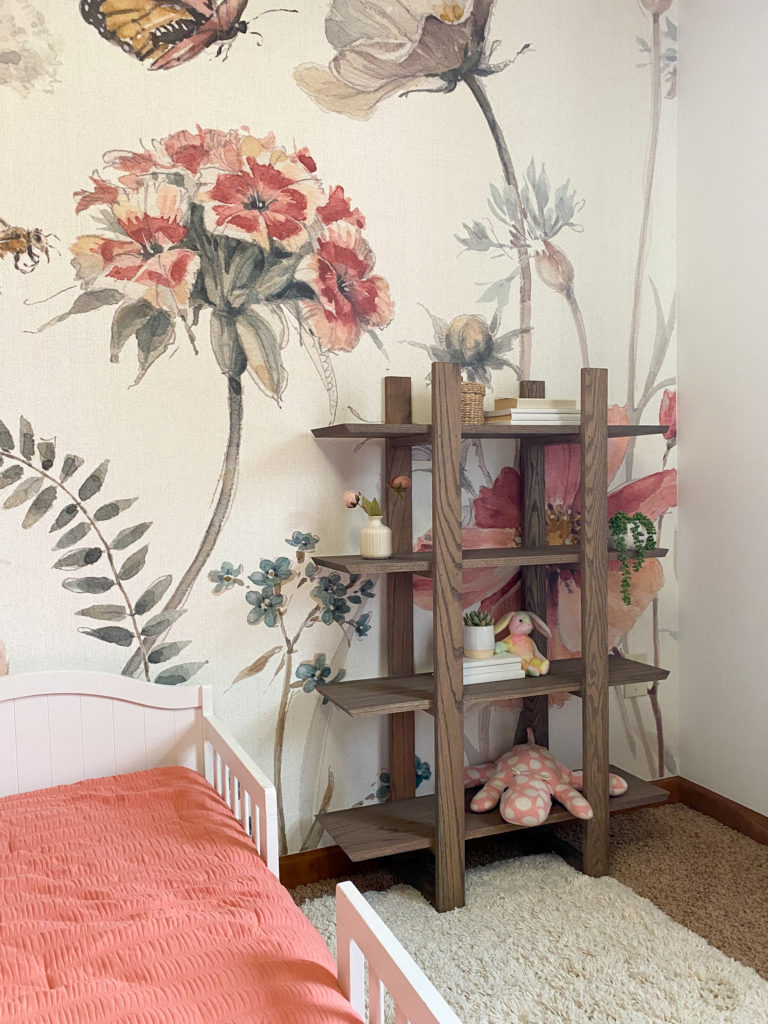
<point x="633" y="536"/>
<point x="479" y="635"/>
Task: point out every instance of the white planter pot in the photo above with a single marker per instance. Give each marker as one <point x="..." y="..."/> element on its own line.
<point x="375" y="539"/>
<point x="479" y="642"/>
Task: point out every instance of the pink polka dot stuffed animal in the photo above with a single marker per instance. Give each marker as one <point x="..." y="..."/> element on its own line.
<point x="525" y="780"/>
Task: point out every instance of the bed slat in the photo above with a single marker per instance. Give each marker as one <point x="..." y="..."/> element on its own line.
<point x="9" y="777"/>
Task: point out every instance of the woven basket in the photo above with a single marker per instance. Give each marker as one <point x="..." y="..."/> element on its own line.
<point x="472" y="395"/>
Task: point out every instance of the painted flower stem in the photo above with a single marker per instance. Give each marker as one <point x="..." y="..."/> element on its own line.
<point x="578" y="320"/>
<point x="477" y="89"/>
<point x="102" y="540"/>
<point x="228" y="483"/>
<point x="282" y="719"/>
<point x="650" y="168"/>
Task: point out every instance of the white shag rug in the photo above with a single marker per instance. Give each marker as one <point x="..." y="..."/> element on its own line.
<point x="540" y="943"/>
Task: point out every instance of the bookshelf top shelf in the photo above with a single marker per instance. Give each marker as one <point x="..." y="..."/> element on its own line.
<point x="421" y="433"/>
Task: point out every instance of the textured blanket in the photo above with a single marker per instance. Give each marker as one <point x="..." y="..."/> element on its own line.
<point x="139" y="899"/>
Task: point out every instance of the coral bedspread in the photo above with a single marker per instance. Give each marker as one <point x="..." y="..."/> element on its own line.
<point x="139" y="899"/>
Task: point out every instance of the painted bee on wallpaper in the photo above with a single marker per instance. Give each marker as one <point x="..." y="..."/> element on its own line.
<point x="23" y="243"/>
<point x="166" y="33"/>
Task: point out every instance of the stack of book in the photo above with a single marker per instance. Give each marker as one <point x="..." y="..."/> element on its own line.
<point x="535" y="411"/>
<point x="488" y="670"/>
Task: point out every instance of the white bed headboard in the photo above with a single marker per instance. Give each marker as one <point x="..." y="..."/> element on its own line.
<point x="61" y="727"/>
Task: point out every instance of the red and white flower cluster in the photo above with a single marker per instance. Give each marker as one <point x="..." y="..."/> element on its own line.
<point x="166" y="210"/>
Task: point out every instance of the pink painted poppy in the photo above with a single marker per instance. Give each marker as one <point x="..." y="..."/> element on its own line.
<point x="143" y="260"/>
<point x="668" y="415"/>
<point x="498" y="509"/>
<point x="206" y="147"/>
<point x="273" y="198"/>
<point x="338" y="208"/>
<point x="349" y="298"/>
<point x="104" y="194"/>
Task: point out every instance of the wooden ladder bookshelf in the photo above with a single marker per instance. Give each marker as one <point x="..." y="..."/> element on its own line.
<point x="442" y="823"/>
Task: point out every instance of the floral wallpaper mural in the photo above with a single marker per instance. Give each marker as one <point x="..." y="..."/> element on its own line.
<point x="204" y="264"/>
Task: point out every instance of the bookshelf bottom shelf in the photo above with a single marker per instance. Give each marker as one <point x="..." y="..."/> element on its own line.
<point x="404" y="826"/>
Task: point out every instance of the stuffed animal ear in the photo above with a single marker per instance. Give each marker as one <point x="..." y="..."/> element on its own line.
<point x="503" y="622"/>
<point x="540" y="625"/>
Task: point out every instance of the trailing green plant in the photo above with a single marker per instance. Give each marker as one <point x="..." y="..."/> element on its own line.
<point x="476" y="618"/>
<point x="30" y="470"/>
<point x="643" y="534"/>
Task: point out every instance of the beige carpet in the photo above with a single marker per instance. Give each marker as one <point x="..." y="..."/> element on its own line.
<point x="700" y="873"/>
<point x="540" y="943"/>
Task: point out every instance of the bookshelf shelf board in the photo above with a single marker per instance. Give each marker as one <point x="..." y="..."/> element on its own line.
<point x="390" y="696"/>
<point x="479" y="558"/>
<point x="421" y="433"/>
<point x="403" y="826"/>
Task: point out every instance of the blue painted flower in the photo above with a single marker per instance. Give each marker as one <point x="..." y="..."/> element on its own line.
<point x="335" y="610"/>
<point x="363" y="625"/>
<point x="272" y="573"/>
<point x="265" y="605"/>
<point x="328" y="588"/>
<point x="423" y="772"/>
<point x="313" y="673"/>
<point x="225" y="578"/>
<point x="302" y="541"/>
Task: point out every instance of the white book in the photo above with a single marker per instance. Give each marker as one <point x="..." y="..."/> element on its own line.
<point x="496" y="661"/>
<point x="472" y="680"/>
<point x="535" y="403"/>
<point x="534" y="414"/>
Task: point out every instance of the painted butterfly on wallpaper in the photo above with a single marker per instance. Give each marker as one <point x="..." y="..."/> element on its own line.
<point x="167" y="33"/>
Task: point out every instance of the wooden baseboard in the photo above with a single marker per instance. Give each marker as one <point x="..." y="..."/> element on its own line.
<point x="727" y="812"/>
<point x="332" y="862"/>
<point x="318" y="865"/>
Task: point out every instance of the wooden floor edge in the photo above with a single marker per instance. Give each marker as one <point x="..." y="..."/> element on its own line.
<point x="721" y="808"/>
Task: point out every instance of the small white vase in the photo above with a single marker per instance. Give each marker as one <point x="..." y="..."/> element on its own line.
<point x="375" y="539"/>
<point x="479" y="642"/>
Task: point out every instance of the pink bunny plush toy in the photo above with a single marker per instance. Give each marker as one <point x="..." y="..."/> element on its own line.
<point x="514" y="632"/>
<point x="525" y="780"/>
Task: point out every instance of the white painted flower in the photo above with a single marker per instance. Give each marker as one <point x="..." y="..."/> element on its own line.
<point x="385" y="47"/>
<point x="27" y="54"/>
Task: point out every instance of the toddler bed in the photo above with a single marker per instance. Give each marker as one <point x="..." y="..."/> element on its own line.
<point x="133" y="890"/>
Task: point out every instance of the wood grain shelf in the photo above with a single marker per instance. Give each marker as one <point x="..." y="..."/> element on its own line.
<point x="391" y="696"/>
<point x="421" y="433"/>
<point x="420" y="562"/>
<point x="403" y="826"/>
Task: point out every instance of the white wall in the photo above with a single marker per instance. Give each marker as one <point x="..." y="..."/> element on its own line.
<point x="723" y="358"/>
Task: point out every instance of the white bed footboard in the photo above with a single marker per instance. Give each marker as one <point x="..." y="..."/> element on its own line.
<point x="362" y="936"/>
<point x="244" y="787"/>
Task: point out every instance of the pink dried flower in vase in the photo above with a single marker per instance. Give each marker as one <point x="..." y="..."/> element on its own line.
<point x="399" y="484"/>
<point x="351" y="499"/>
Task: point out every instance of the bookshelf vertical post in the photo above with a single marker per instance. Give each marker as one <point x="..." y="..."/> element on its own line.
<point x="448" y="651"/>
<point x="399" y="518"/>
<point x="535" y="712"/>
<point x="594" y="618"/>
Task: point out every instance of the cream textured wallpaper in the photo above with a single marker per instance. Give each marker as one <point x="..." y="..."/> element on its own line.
<point x="222" y="226"/>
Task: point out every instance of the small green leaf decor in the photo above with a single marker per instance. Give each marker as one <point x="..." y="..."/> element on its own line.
<point x="179" y="673"/>
<point x="24" y="492"/>
<point x="164" y="652"/>
<point x="105" y="612"/>
<point x="111" y="635"/>
<point x="159" y="624"/>
<point x="73" y="536"/>
<point x="152" y="595"/>
<point x="64" y="518"/>
<point x="6" y="439"/>
<point x="63" y="494"/>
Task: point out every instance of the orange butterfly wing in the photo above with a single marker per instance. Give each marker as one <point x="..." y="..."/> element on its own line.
<point x="146" y="29"/>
